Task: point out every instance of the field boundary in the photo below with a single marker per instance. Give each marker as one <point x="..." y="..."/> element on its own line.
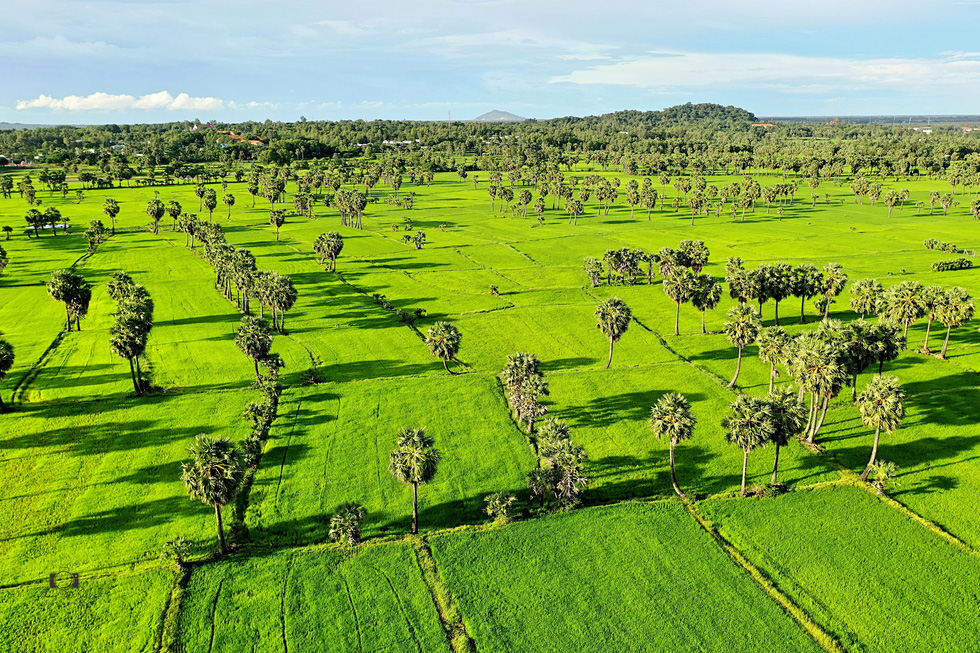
<point x="449" y="613"/>
<point x="826" y="641"/>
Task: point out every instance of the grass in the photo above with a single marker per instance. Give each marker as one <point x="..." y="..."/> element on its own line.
<point x="861" y="569"/>
<point x="630" y="577"/>
<point x="312" y="600"/>
<point x="118" y="613"/>
<point x="91" y="475"/>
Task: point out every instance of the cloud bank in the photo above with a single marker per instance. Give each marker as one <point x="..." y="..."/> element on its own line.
<point x="123" y="102"/>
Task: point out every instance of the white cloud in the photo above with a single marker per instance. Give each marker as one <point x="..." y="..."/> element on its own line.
<point x="790" y="73"/>
<point x="58" y="46"/>
<point x="109" y="102"/>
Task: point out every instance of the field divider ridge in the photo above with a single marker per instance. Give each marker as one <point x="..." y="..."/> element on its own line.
<point x="826" y="641"/>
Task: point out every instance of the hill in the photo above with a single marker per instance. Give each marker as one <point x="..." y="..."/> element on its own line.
<point x="499" y="116"/>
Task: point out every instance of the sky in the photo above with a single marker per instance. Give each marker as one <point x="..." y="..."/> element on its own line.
<point x="142" y="61"/>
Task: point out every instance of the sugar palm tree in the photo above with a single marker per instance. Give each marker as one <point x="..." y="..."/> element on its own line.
<point x="67" y="286"/>
<point x="414" y="461"/>
<point x="443" y="342"/>
<point x="174" y="209"/>
<point x="834" y="280"/>
<point x="742" y="328"/>
<point x="329" y="246"/>
<point x="882" y="406"/>
<point x="772" y="345"/>
<point x="788" y="416"/>
<point x="750" y="425"/>
<point x="53" y="216"/>
<point x="705" y="295"/>
<point x="210" y="201"/>
<point x="867" y="297"/>
<point x="155" y="209"/>
<point x="679" y="286"/>
<point x="6" y="362"/>
<point x="671" y="418"/>
<point x="111" y="208"/>
<point x="904" y="305"/>
<point x="806" y="282"/>
<point x="254" y="339"/>
<point x="229" y="201"/>
<point x="277" y="218"/>
<point x="214" y="475"/>
<point x="613" y="319"/>
<point x="956" y="310"/>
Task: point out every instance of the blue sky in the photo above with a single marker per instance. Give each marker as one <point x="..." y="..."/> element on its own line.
<point x="125" y="61"/>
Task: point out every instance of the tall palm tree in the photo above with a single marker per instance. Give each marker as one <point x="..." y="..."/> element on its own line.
<point x="329" y="245"/>
<point x="414" y="461"/>
<point x="750" y="425"/>
<point x="210" y="201"/>
<point x="254" y="339"/>
<point x="53" y="216"/>
<point x="788" y="416"/>
<point x="806" y="282"/>
<point x="155" y="209"/>
<point x="956" y="310"/>
<point x="229" y="201"/>
<point x="111" y="208"/>
<point x="742" y="328"/>
<point x="706" y="294"/>
<point x="214" y="475"/>
<point x="772" y="343"/>
<point x="174" y="209"/>
<point x="69" y="287"/>
<point x="6" y="362"/>
<point x="904" y="305"/>
<point x="277" y="218"/>
<point x="671" y="418"/>
<point x="834" y="280"/>
<point x="443" y="342"/>
<point x="679" y="286"/>
<point x="867" y="297"/>
<point x="882" y="407"/>
<point x="613" y="319"/>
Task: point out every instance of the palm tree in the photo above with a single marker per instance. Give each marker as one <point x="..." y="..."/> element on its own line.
<point x="858" y="350"/>
<point x="254" y="339"/>
<point x="277" y="218"/>
<point x="111" y="208"/>
<point x="956" y="310"/>
<point x="904" y="304"/>
<point x="867" y="297"/>
<point x="671" y="417"/>
<point x="613" y="319"/>
<point x="882" y="407"/>
<point x="210" y="201"/>
<point x="705" y="295"/>
<point x="6" y="362"/>
<point x="414" y="461"/>
<point x="155" y="209"/>
<point x="174" y="209"/>
<point x="229" y="201"/>
<point x="749" y="426"/>
<point x="885" y="343"/>
<point x="788" y="417"/>
<point x="443" y="342"/>
<point x="329" y="246"/>
<point x="679" y="286"/>
<point x="214" y="475"/>
<point x="742" y="328"/>
<point x="772" y="348"/>
<point x="834" y="280"/>
<point x="69" y="287"/>
<point x="52" y="216"/>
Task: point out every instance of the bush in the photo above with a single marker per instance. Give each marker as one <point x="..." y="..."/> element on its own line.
<point x="933" y="243"/>
<point x="498" y="506"/>
<point x="952" y="264"/>
<point x="345" y="526"/>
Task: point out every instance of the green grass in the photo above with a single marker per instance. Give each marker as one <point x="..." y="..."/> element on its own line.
<point x="116" y="613"/>
<point x="630" y="577"/>
<point x="332" y="442"/>
<point x="318" y="600"/>
<point x="862" y="570"/>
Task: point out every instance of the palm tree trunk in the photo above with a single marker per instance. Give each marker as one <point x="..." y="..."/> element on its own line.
<point x="673" y="476"/>
<point x="881" y="366"/>
<point x="745" y="464"/>
<point x="942" y="354"/>
<point x="803" y="309"/>
<point x="826" y="308"/>
<point x="415" y="509"/>
<point x="221" y="531"/>
<point x="738" y="368"/>
<point x="775" y="467"/>
<point x="69" y="317"/>
<point x="925" y="345"/>
<point x="132" y="372"/>
<point x="823" y="415"/>
<point x="703" y="330"/>
<point x="257" y="377"/>
<point x="905" y="334"/>
<point x="772" y="376"/>
<point x="777" y="312"/>
<point x="446" y="365"/>
<point x="677" y="320"/>
<point x="609" y="360"/>
<point x="854" y="388"/>
<point x="874" y="453"/>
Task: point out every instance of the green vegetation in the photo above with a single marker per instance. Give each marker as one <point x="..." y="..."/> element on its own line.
<point x="381" y="258"/>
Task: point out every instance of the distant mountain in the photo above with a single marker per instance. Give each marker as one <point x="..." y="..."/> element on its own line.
<point x="498" y="116"/>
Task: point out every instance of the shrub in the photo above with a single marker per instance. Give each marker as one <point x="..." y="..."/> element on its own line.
<point x="952" y="264"/>
<point x="345" y="526"/>
<point x="498" y="506"/>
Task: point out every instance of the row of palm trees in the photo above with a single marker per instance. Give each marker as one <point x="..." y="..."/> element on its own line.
<point x="132" y="323"/>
